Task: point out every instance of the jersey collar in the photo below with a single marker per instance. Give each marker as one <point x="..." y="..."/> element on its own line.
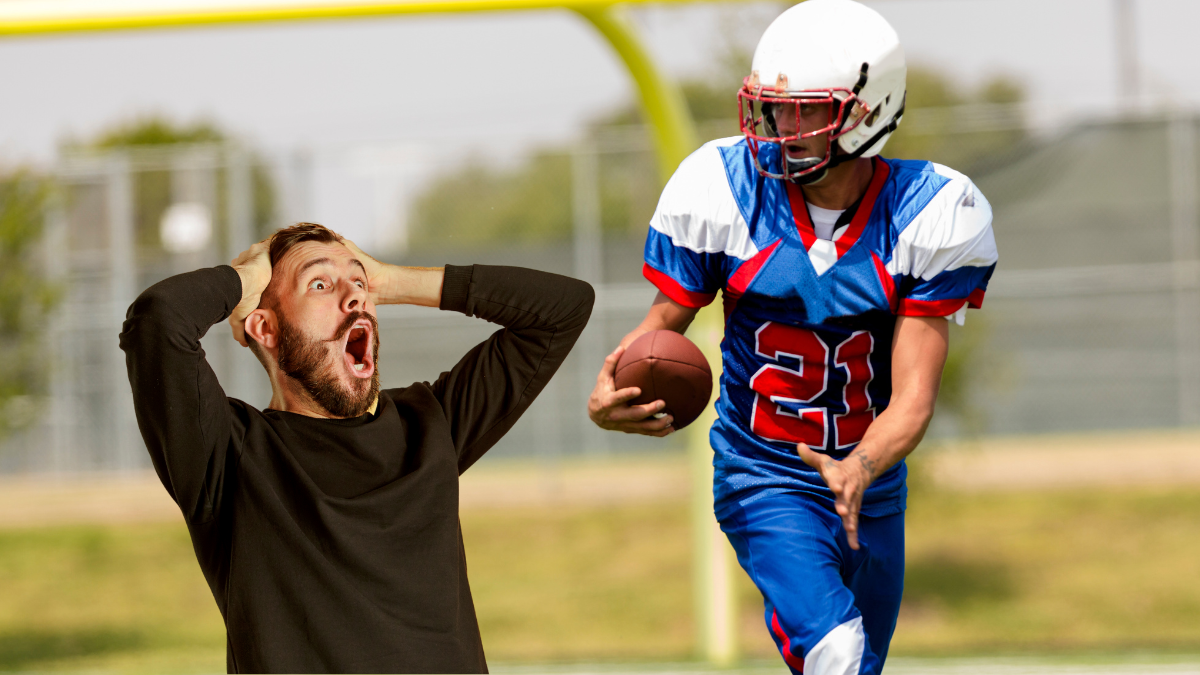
<point x="858" y="222"/>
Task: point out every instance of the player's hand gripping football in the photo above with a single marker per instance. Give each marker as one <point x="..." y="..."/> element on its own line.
<point x="609" y="407"/>
<point x="847" y="479"/>
<point x="254" y="267"/>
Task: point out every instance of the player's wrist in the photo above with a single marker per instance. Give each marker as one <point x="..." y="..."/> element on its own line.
<point x="863" y="465"/>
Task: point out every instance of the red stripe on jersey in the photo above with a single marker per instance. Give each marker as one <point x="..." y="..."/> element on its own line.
<point x="975" y="299"/>
<point x="674" y="291"/>
<point x="795" y="662"/>
<point x="885" y="280"/>
<point x="808" y="235"/>
<point x="929" y="307"/>
<point x="863" y="214"/>
<point x="940" y="307"/>
<point x="743" y="277"/>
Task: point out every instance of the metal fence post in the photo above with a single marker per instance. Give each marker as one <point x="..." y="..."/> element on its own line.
<point x="1186" y="258"/>
<point x="587" y="243"/>
<point x="244" y="374"/>
<point x="55" y="252"/>
<point x="122" y="282"/>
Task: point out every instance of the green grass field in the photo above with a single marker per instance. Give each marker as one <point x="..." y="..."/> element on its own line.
<point x="1062" y="572"/>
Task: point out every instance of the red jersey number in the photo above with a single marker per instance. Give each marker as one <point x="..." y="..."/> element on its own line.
<point x="774" y="384"/>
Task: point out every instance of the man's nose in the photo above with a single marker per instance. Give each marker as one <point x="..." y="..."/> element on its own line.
<point x="355" y="298"/>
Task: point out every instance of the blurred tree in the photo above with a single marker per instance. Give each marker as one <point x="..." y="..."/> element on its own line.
<point x="967" y="365"/>
<point x="152" y="189"/>
<point x="965" y="130"/>
<point x="156" y="131"/>
<point x="26" y="297"/>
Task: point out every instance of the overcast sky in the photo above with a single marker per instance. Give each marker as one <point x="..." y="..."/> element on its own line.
<point x="501" y="80"/>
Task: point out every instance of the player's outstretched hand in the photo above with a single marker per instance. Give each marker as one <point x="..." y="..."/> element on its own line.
<point x="848" y="480"/>
<point x="609" y="407"/>
<point x="254" y="267"/>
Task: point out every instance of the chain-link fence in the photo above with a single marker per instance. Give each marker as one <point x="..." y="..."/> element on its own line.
<point x="1092" y="320"/>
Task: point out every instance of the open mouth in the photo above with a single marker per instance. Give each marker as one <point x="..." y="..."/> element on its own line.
<point x="358" y="350"/>
<point x="796" y="151"/>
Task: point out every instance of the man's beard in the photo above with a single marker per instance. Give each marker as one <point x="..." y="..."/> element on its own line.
<point x="309" y="361"/>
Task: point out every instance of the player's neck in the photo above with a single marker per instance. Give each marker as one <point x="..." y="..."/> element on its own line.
<point x="844" y="185"/>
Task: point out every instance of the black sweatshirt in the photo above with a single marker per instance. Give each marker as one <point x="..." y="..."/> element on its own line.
<point x="334" y="545"/>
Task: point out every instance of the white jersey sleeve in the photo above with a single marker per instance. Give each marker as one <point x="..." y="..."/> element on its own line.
<point x="696" y="225"/>
<point x="948" y="251"/>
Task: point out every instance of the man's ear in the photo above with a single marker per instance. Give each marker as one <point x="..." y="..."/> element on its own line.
<point x="262" y="325"/>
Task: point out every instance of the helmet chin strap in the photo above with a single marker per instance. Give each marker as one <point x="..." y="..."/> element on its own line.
<point x="796" y="165"/>
<point x="807" y="164"/>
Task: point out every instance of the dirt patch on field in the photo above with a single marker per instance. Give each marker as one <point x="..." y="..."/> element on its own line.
<point x="1013" y="463"/>
<point x="1110" y="459"/>
<point x="85" y="498"/>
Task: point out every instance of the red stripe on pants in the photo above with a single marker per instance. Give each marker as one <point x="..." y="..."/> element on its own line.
<point x="794" y="662"/>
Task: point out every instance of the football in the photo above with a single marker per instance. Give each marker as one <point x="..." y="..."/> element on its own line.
<point x="666" y="365"/>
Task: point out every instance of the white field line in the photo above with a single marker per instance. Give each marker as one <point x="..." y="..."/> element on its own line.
<point x="895" y="666"/>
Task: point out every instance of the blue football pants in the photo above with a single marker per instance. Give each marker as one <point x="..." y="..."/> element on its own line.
<point x="830" y="609"/>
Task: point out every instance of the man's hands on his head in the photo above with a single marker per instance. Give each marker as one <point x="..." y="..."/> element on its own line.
<point x="376" y="271"/>
<point x="386" y="284"/>
<point x="847" y="479"/>
<point x="609" y="407"/>
<point x="254" y="267"/>
<point x="396" y="285"/>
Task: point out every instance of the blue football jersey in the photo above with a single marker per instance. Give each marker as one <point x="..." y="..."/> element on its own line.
<point x="809" y="321"/>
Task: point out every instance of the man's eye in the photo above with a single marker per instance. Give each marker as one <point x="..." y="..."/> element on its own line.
<point x="360" y="284"/>
<point x="317" y="285"/>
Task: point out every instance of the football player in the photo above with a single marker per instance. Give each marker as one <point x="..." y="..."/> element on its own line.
<point x="839" y="271"/>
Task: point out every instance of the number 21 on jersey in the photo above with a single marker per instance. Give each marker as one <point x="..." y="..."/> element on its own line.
<point x="775" y="384"/>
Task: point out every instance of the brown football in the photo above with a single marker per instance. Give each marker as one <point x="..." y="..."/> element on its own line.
<point x="667" y="366"/>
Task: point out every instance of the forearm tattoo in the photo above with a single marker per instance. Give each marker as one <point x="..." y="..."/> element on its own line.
<point x="867" y="463"/>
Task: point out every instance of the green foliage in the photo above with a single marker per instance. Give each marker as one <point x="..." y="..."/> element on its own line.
<point x="983" y="126"/>
<point x="26" y="299"/>
<point x="481" y="204"/>
<point x="152" y="189"/>
<point x="969" y="363"/>
<point x="531" y="204"/>
<point x="154" y="131"/>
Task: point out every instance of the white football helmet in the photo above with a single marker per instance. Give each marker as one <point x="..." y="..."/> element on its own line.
<point x="835" y="52"/>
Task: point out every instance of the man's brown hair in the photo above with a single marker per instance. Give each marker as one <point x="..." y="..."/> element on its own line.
<point x="283" y="240"/>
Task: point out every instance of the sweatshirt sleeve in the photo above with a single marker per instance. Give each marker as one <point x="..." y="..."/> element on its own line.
<point x="181" y="409"/>
<point x="542" y="314"/>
